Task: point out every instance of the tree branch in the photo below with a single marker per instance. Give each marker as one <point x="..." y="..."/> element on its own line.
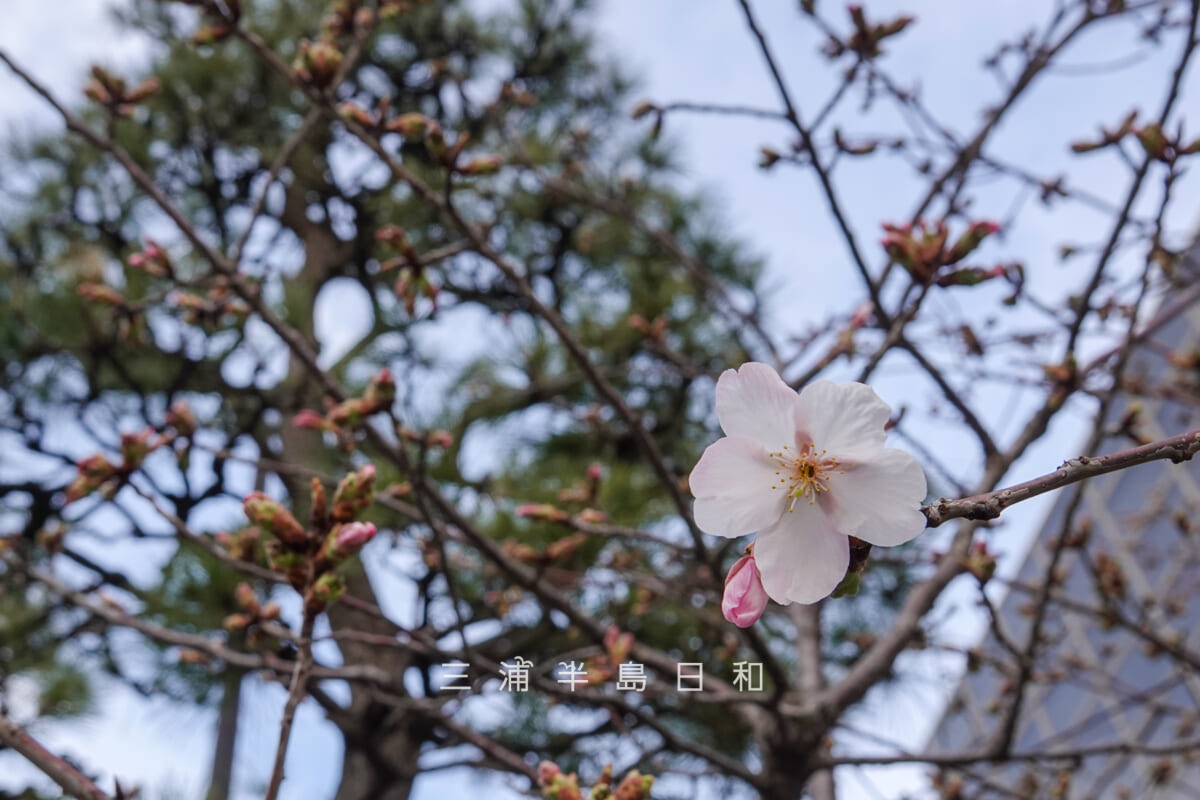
<point x="989" y="505"/>
<point x="72" y="781"/>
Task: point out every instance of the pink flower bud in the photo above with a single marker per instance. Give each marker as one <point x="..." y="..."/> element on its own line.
<point x="862" y="314"/>
<point x="352" y="537"/>
<point x="745" y="598"/>
<point x="440" y="438"/>
<point x="381" y="392"/>
<point x="548" y="771"/>
<point x="309" y="419"/>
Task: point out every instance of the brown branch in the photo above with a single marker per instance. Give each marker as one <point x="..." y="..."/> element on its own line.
<point x="1114" y="238"/>
<point x="722" y="109"/>
<point x="260" y="203"/>
<point x="304" y="665"/>
<point x="990" y="504"/>
<point x="72" y="781"/>
<point x="835" y="207"/>
<point x="211" y="647"/>
<point x="1074" y="754"/>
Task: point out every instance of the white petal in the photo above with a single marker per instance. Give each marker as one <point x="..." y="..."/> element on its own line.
<point x="755" y="402"/>
<point x="732" y="484"/>
<point x="846" y="419"/>
<point x="879" y="500"/>
<point x="802" y="559"/>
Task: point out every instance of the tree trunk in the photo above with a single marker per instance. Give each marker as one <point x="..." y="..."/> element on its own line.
<point x="227" y="727"/>
<point x="381" y="742"/>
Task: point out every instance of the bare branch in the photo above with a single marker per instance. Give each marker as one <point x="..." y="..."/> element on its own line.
<point x="989" y="505"/>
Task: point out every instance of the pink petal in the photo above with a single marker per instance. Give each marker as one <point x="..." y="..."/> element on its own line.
<point x="802" y="559"/>
<point x="754" y="402"/>
<point x="879" y="500"/>
<point x="732" y="485"/>
<point x="846" y="419"/>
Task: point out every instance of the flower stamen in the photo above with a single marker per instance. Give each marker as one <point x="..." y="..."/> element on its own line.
<point x="804" y="474"/>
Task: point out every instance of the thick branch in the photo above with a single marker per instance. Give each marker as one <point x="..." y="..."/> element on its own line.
<point x="73" y="782"/>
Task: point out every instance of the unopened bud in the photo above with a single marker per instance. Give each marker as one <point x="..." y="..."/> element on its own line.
<point x="543" y="512"/>
<point x="322" y="60"/>
<point x="381" y="391"/>
<point x="411" y="126"/>
<point x="327" y="589"/>
<point x="355" y="492"/>
<point x="309" y="419"/>
<point x="272" y="517"/>
<point x="1153" y="141"/>
<point x="745" y="599"/>
<point x="181" y="418"/>
<point x="642" y="109"/>
<point x="237" y="622"/>
<point x="347" y="540"/>
<point x="353" y="112"/>
<point x="245" y="597"/>
<point x="135" y="447"/>
<point x="101" y="293"/>
<point x="482" y="165"/>
<point x="971" y="239"/>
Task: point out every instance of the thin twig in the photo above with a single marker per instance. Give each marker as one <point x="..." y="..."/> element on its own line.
<point x="304" y="664"/>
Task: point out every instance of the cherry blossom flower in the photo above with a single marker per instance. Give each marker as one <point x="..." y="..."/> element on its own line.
<point x="805" y="471"/>
<point x="745" y="598"/>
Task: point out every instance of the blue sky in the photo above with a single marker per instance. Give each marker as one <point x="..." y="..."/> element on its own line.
<point x="699" y="50"/>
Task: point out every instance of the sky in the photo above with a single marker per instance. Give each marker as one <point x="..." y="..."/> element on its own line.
<point x="687" y="50"/>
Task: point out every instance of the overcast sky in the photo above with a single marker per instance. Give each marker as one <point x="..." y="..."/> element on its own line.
<point x="681" y="49"/>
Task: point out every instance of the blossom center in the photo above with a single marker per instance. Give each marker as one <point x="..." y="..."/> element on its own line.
<point x="804" y="473"/>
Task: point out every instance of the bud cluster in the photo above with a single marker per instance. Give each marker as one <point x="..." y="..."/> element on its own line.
<point x="557" y="785"/>
<point x="353" y="412"/>
<point x="1157" y="144"/>
<point x="618" y="647"/>
<point x="98" y="473"/>
<point x="557" y="551"/>
<point x="416" y="128"/>
<point x="926" y="253"/>
<point x="220" y="19"/>
<point x="866" y="40"/>
<point x="112" y="92"/>
<point x="309" y="556"/>
<point x="317" y="63"/>
<point x="413" y="281"/>
<point x="101" y="294"/>
<point x="250" y="613"/>
<point x="215" y="307"/>
<point x="152" y="260"/>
